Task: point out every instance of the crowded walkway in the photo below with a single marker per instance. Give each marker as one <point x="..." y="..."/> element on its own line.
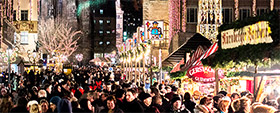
<point x="93" y="90"/>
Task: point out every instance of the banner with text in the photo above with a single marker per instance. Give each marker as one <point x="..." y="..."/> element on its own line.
<point x="251" y="34"/>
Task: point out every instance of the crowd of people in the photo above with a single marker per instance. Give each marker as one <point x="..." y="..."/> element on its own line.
<point x="93" y="90"/>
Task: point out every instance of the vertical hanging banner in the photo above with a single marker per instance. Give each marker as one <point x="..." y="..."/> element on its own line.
<point x="141" y="34"/>
<point x="153" y="30"/>
<point x="135" y="39"/>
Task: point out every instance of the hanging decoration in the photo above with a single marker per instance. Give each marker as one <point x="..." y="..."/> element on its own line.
<point x="236" y="10"/>
<point x="30" y="9"/>
<point x="271" y="5"/>
<point x="18" y="9"/>
<point x="209" y="18"/>
<point x="254" y="6"/>
<point x="184" y="15"/>
<point x="174" y="17"/>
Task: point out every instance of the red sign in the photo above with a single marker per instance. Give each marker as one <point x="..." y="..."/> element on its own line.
<point x="203" y="74"/>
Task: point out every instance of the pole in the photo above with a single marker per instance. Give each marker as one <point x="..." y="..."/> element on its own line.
<point x="216" y="82"/>
<point x="151" y="62"/>
<point x="144" y="65"/>
<point x="9" y="68"/>
<point x="160" y="66"/>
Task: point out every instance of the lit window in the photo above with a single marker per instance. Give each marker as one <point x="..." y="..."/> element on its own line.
<point x="93" y="11"/>
<point x="108" y="32"/>
<point x="108" y="21"/>
<point x="138" y="19"/>
<point x="101" y="32"/>
<point x="100" y="21"/>
<point x="100" y="43"/>
<point x="94" y="21"/>
<point x="134" y="19"/>
<point x="125" y="33"/>
<point x="24" y="37"/>
<point x="101" y="11"/>
<point x="107" y="42"/>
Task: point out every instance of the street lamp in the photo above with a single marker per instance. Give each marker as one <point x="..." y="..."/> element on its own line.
<point x="9" y="57"/>
<point x="34" y="57"/>
<point x="79" y="57"/>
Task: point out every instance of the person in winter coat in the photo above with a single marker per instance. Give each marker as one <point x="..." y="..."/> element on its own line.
<point x="241" y="105"/>
<point x="189" y="104"/>
<point x="64" y="106"/>
<point x="111" y="106"/>
<point x="224" y="105"/>
<point x="176" y="106"/>
<point x="146" y="103"/>
<point x="132" y="105"/>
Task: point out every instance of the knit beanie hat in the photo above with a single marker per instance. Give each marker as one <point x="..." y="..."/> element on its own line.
<point x="55" y="100"/>
<point x="174" y="99"/>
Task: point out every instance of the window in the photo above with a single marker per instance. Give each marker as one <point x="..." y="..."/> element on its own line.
<point x="24" y="15"/>
<point x="108" y="22"/>
<point x="101" y="11"/>
<point x="100" y="43"/>
<point x="93" y="11"/>
<point x="24" y="38"/>
<point x="94" y="21"/>
<point x="100" y="32"/>
<point x="227" y="16"/>
<point x="15" y="15"/>
<point x="261" y="11"/>
<point x="107" y="42"/>
<point x="108" y="32"/>
<point x="100" y="22"/>
<point x="118" y="26"/>
<point x="244" y="13"/>
<point x="192" y="15"/>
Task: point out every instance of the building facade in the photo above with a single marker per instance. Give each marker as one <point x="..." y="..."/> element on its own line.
<point x="103" y="29"/>
<point x="119" y="24"/>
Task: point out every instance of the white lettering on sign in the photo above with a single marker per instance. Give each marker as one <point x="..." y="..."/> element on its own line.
<point x="251" y="34"/>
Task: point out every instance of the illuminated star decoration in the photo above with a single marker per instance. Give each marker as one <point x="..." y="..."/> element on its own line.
<point x="89" y="3"/>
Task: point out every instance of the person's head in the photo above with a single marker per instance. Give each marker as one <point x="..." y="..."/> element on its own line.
<point x="223" y="92"/>
<point x="130" y="95"/>
<point x="242" y="105"/>
<point x="42" y="93"/>
<point x="203" y="101"/>
<point x="49" y="88"/>
<point x="217" y="98"/>
<point x="234" y="96"/>
<point x="111" y="102"/>
<point x="176" y="103"/>
<point x="250" y="96"/>
<point x="154" y="92"/>
<point x="146" y="99"/>
<point x="168" y="89"/>
<point x="224" y="104"/>
<point x="90" y="96"/>
<point x="157" y="100"/>
<point x="30" y="103"/>
<point x="44" y="105"/>
<point x="109" y="87"/>
<point x="264" y="109"/>
<point x="22" y="101"/>
<point x="35" y="108"/>
<point x="104" y="96"/>
<point x="54" y="101"/>
<point x="196" y="95"/>
<point x="187" y="96"/>
<point x="3" y="91"/>
<point x="120" y="93"/>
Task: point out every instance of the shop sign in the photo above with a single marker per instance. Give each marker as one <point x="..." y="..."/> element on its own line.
<point x="203" y="74"/>
<point x="153" y="30"/>
<point x="251" y="34"/>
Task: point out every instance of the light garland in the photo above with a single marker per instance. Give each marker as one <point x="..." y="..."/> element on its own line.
<point x="174" y="17"/>
<point x="271" y="5"/>
<point x="209" y="18"/>
<point x="236" y="9"/>
<point x="184" y="20"/>
<point x="18" y="10"/>
<point x="30" y="9"/>
<point x="254" y="7"/>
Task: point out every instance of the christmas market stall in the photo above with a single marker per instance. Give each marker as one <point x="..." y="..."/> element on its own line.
<point x="246" y="47"/>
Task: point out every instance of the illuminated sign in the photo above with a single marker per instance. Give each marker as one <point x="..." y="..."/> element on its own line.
<point x="153" y="30"/>
<point x="251" y="34"/>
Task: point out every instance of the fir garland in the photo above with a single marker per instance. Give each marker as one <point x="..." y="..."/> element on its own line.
<point x="248" y="55"/>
